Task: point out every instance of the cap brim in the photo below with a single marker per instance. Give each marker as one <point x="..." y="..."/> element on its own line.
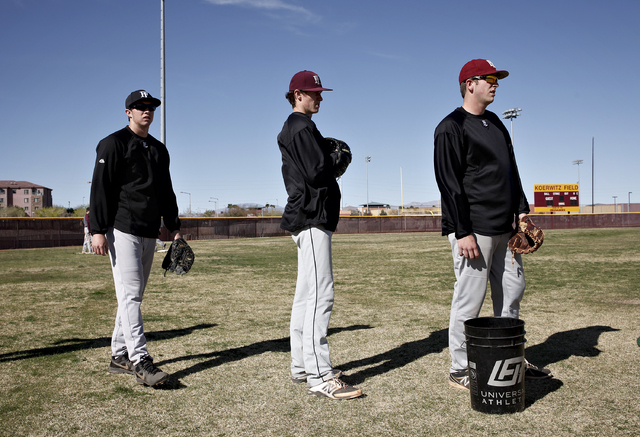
<point x="152" y="100"/>
<point x="317" y="89"/>
<point x="501" y="74"/>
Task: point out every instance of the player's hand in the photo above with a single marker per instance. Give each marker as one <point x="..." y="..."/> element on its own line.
<point x="468" y="248"/>
<point x="99" y="244"/>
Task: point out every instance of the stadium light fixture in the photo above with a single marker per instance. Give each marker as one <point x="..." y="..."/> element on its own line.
<point x="184" y="192"/>
<point x="511" y="114"/>
<point x="216" y="199"/>
<point x="578" y="162"/>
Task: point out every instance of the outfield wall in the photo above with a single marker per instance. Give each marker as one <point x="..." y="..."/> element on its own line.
<point x="25" y="233"/>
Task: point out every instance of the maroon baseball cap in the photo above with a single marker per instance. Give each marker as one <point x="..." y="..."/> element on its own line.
<point x="480" y="67"/>
<point x="306" y="81"/>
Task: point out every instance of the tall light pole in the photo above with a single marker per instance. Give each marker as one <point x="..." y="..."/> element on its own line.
<point x="163" y="99"/>
<point x="367" y="160"/>
<point x="511" y="114"/>
<point x="401" y="193"/>
<point x="593" y="166"/>
<point x="216" y="199"/>
<point x="615" y="204"/>
<point x="578" y="162"/>
<point x="184" y="192"/>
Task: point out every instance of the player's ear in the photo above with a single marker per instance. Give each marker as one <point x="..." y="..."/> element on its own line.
<point x="470" y="84"/>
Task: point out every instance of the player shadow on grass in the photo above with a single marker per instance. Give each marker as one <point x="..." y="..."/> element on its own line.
<point x="76" y="344"/>
<point x="397" y="357"/>
<point x="217" y="358"/>
<point x="558" y="347"/>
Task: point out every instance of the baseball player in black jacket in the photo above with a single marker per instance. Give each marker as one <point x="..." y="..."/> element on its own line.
<point x="131" y="191"/>
<point x="482" y="195"/>
<point x="311" y="215"/>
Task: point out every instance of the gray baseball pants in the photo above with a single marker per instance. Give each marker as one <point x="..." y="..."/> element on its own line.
<point x="312" y="305"/>
<point x="131" y="260"/>
<point x="507" y="288"/>
<point x="86" y="246"/>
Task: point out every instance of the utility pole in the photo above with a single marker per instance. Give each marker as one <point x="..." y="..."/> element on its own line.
<point x="401" y="194"/>
<point x="592" y="173"/>
<point x="163" y="107"/>
<point x="367" y="160"/>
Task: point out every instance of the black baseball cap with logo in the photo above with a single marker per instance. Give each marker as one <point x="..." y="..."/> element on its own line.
<point x="139" y="95"/>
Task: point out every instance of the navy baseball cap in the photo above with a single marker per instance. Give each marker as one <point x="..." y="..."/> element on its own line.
<point x="306" y="81"/>
<point x="138" y="95"/>
<point x="480" y="67"/>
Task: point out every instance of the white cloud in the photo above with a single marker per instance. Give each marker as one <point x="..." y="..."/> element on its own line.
<point x="268" y="5"/>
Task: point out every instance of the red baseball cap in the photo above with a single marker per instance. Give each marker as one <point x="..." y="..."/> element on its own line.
<point x="306" y="81"/>
<point x="480" y="67"/>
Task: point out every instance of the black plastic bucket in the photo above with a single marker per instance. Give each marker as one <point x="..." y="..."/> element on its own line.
<point x="495" y="351"/>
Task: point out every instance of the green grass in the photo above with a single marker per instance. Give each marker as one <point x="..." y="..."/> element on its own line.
<point x="222" y="332"/>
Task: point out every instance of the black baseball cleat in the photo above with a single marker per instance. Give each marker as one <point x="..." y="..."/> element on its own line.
<point x="335" y="389"/>
<point x="459" y="380"/>
<point x="121" y="364"/>
<point x="531" y="371"/>
<point x="148" y="374"/>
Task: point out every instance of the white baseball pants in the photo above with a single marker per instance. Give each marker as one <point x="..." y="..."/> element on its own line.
<point x="312" y="305"/>
<point x="131" y="259"/>
<point x="507" y="288"/>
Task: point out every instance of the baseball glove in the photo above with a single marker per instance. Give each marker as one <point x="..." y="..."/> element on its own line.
<point x="527" y="239"/>
<point x="341" y="154"/>
<point x="179" y="257"/>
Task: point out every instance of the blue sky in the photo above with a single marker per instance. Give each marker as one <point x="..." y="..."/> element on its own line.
<point x="68" y="65"/>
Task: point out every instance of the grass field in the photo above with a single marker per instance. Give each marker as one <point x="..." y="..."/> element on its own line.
<point x="222" y="332"/>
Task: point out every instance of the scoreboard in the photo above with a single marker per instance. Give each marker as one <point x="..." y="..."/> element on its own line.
<point x="556" y="198"/>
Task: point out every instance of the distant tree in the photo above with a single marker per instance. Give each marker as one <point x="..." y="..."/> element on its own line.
<point x="52" y="211"/>
<point x="80" y="211"/>
<point x="12" y="211"/>
<point x="235" y="211"/>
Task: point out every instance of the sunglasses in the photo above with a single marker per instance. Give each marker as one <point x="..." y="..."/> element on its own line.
<point x="144" y="107"/>
<point x="488" y="78"/>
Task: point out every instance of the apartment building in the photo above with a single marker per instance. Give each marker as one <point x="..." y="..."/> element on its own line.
<point x="27" y="195"/>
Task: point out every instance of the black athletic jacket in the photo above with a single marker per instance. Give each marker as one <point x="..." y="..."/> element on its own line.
<point x="476" y="171"/>
<point x="131" y="188"/>
<point x="307" y="169"/>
